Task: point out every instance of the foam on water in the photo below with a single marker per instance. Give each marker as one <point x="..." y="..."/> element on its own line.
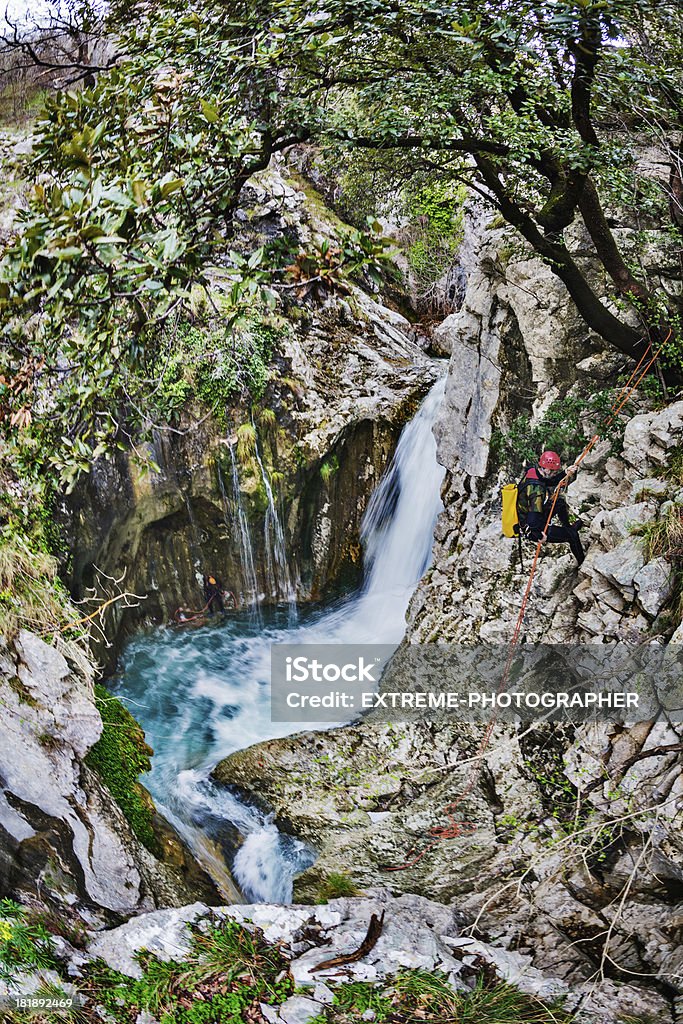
<point x="202" y="694"/>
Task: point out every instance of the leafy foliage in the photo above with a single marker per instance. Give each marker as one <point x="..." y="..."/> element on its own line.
<point x="119" y="757"/>
<point x="564" y="428"/>
<point x="436" y="229"/>
<point x="213" y="365"/>
<point x="140" y="176"/>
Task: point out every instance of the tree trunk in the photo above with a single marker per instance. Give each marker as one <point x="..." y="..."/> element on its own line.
<point x="597" y="316"/>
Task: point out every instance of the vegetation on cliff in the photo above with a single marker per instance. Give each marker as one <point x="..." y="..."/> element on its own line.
<point x="543" y="110"/>
<point x="119" y="757"/>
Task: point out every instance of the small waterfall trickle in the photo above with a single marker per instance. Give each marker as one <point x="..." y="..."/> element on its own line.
<point x="195" y="539"/>
<point x="240" y="522"/>
<point x="277" y="565"/>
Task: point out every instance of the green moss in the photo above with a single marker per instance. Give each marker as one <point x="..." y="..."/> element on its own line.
<point x="329" y="468"/>
<point x="246" y="443"/>
<point x="119" y="757"/>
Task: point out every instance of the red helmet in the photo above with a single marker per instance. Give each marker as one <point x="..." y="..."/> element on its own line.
<point x="550" y="460"/>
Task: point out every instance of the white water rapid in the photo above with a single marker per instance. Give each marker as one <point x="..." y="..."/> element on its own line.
<point x="202" y="694"/>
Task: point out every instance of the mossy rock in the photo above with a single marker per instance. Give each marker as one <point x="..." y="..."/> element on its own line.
<point x="119" y="757"/>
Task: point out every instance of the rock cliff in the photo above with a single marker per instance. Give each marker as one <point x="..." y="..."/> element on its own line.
<point x="64" y="841"/>
<point x="344" y="378"/>
<point x="590" y="890"/>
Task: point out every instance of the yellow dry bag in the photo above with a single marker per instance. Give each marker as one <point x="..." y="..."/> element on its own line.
<point x="510" y="517"/>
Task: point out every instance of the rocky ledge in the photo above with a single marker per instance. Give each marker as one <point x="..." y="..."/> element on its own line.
<point x="414" y="934"/>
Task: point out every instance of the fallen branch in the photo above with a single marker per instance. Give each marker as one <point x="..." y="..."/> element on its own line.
<point x="667" y="748"/>
<point x="369" y="942"/>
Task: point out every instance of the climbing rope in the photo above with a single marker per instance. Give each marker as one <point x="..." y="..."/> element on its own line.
<point x="456" y="828"/>
<point x="190" y="618"/>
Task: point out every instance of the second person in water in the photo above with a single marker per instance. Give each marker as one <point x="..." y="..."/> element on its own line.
<point x="214" y="596"/>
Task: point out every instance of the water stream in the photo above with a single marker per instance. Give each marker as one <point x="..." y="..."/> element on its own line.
<point x="240" y="523"/>
<point x="201" y="694"/>
<point x="277" y="565"/>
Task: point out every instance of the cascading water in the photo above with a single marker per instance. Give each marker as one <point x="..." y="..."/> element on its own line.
<point x="203" y="694"/>
<point x="241" y="523"/>
<point x="277" y="566"/>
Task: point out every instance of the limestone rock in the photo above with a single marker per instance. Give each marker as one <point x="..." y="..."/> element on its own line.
<point x="620" y="565"/>
<point x="60" y="826"/>
<point x="162" y="932"/>
<point x="298" y="1010"/>
<point x="654" y="584"/>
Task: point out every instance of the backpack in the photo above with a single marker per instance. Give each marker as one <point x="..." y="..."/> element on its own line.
<point x="510" y="517"/>
<point x="515" y="506"/>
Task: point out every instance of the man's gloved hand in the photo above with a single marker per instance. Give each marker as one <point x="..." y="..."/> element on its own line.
<point x="571" y="471"/>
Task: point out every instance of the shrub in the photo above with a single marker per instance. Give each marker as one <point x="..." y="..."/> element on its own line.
<point x="564" y="428"/>
<point x="435" y="232"/>
<point x="212" y="364"/>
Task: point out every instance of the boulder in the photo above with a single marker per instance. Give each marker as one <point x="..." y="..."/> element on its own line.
<point x="620" y="565"/>
<point x="162" y="932"/>
<point x="654" y="585"/>
<point x="60" y="825"/>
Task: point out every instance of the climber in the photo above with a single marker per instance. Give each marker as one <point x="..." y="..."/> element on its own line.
<point x="213" y="595"/>
<point x="534" y="500"/>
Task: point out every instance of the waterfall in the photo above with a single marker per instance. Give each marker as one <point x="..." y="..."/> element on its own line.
<point x="203" y="694"/>
<point x="397" y="533"/>
<point x="195" y="538"/>
<point x="277" y="565"/>
<point x="246" y="551"/>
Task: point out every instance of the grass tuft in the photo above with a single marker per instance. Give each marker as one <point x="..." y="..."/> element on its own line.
<point x="228" y="972"/>
<point x="427" y="997"/>
<point x="335" y="885"/>
<point x="663" y="538"/>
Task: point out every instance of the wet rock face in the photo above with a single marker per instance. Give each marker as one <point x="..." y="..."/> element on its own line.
<point x="346" y="376"/>
<point x="61" y="833"/>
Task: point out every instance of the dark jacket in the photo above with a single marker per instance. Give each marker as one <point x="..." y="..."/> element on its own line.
<point x="533" y="493"/>
<point x="212" y="590"/>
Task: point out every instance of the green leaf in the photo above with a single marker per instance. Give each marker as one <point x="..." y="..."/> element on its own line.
<point x="209" y="111"/>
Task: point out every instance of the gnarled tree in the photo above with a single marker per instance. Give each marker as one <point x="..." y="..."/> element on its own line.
<point x="542" y="107"/>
